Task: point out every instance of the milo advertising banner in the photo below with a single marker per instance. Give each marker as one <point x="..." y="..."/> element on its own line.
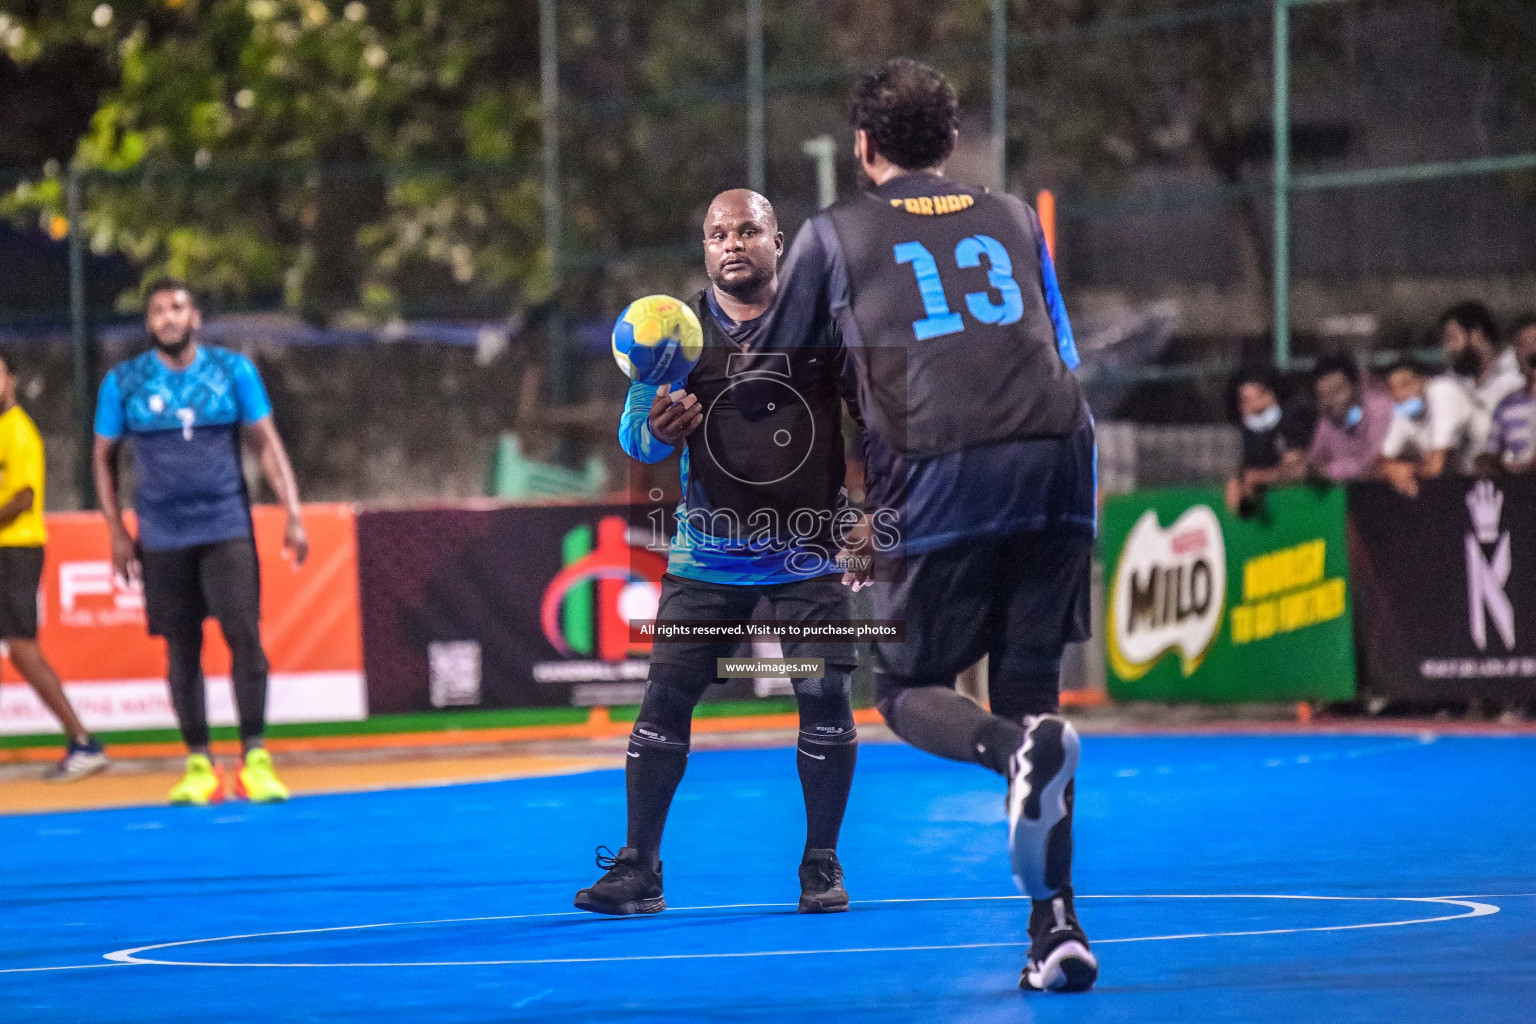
<point x="1205" y="606"/>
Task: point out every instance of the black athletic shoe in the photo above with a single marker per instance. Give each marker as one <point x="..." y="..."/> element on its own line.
<point x="1059" y="957"/>
<point x="629" y="887"/>
<point x="821" y="883"/>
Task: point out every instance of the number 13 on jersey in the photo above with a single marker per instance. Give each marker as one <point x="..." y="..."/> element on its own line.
<point x="940" y="319"/>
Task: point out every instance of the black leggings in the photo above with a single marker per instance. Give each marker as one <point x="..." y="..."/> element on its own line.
<point x="931" y="716"/>
<point x="248" y="677"/>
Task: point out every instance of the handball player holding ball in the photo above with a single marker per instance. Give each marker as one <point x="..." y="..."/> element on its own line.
<point x="758" y="415"/>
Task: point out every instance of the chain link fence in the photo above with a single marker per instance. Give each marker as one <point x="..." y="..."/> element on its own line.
<point x="405" y="310"/>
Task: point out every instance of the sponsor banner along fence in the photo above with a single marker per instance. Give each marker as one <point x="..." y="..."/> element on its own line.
<point x="516" y="606"/>
<point x="525" y="606"/>
<point x="1203" y="605"/>
<point x="92" y="629"/>
<point x="1446" y="589"/>
<point x="499" y="607"/>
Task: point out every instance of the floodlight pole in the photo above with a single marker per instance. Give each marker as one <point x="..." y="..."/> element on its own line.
<point x="757" y="176"/>
<point x="823" y="150"/>
<point x="1000" y="91"/>
<point x="1281" y="285"/>
<point x="549" y="102"/>
<point x="80" y="338"/>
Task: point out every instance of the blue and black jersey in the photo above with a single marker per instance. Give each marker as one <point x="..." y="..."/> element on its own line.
<point x="184" y="429"/>
<point x="763" y="474"/>
<point x="946" y="300"/>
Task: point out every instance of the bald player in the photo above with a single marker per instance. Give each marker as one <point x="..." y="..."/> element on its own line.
<point x="759" y="423"/>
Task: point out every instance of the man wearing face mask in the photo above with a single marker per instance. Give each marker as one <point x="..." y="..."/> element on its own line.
<point x="1408" y="438"/>
<point x="1274" y="439"/>
<point x="1481" y="375"/>
<point x="183" y="408"/>
<point x="1353" y="420"/>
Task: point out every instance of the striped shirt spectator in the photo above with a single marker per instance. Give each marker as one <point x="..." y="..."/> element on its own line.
<point x="1512" y="438"/>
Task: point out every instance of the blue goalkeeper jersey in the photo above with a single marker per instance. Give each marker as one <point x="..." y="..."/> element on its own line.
<point x="183" y="427"/>
<point x="763" y="474"/>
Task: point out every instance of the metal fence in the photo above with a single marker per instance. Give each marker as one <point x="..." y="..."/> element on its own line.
<point x="1353" y="172"/>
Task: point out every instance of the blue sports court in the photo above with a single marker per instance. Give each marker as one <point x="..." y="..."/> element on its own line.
<point x="1284" y="878"/>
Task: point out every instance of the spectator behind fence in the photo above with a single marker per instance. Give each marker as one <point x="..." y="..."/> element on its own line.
<point x="1352" y="424"/>
<point x="1481" y="374"/>
<point x="1274" y="438"/>
<point x="1408" y="439"/>
<point x="1511" y="444"/>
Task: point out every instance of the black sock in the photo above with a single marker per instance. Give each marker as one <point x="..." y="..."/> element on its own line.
<point x="826" y="777"/>
<point x="942" y="722"/>
<point x="658" y="755"/>
<point x="995" y="742"/>
<point x="651" y="774"/>
<point x="825" y="754"/>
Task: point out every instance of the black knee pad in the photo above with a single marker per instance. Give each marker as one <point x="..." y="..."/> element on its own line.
<point x="826" y="715"/>
<point x="836" y="683"/>
<point x="666" y="713"/>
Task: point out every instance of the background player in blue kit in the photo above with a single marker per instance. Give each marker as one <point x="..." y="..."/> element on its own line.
<point x="760" y="422"/>
<point x="183" y="408"/>
<point x="981" y="444"/>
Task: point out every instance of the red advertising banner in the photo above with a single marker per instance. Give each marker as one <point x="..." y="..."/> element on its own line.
<point x="92" y="630"/>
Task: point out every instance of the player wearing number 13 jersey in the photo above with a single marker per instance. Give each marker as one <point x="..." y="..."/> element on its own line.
<point x="980" y="440"/>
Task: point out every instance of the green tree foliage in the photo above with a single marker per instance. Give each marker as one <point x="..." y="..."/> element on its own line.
<point x="243" y="143"/>
<point x="286" y="107"/>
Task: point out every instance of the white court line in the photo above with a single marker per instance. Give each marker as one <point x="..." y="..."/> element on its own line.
<point x="67" y="967"/>
<point x="1494" y="896"/>
<point x="131" y="956"/>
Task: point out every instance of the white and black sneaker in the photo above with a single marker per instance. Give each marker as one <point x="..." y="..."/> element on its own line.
<point x="80" y="761"/>
<point x="630" y="886"/>
<point x="1040" y="805"/>
<point x="1059" y="957"/>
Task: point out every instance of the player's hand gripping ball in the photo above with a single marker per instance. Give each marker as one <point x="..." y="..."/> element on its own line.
<point x="657" y="340"/>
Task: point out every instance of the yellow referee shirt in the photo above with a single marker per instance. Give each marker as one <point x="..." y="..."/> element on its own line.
<point x="21" y="466"/>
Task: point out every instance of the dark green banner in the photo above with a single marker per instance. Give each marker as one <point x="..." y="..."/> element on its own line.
<point x="1202" y="605"/>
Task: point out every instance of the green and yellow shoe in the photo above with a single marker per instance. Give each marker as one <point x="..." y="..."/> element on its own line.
<point x="257" y="782"/>
<point x="200" y="786"/>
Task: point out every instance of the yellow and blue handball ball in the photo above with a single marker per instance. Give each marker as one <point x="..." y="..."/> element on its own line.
<point x="657" y="340"/>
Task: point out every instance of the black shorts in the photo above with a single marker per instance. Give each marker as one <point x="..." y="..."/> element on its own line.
<point x="1012" y="598"/>
<point x="21" y="570"/>
<point x="183" y="586"/>
<point x="812" y="600"/>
